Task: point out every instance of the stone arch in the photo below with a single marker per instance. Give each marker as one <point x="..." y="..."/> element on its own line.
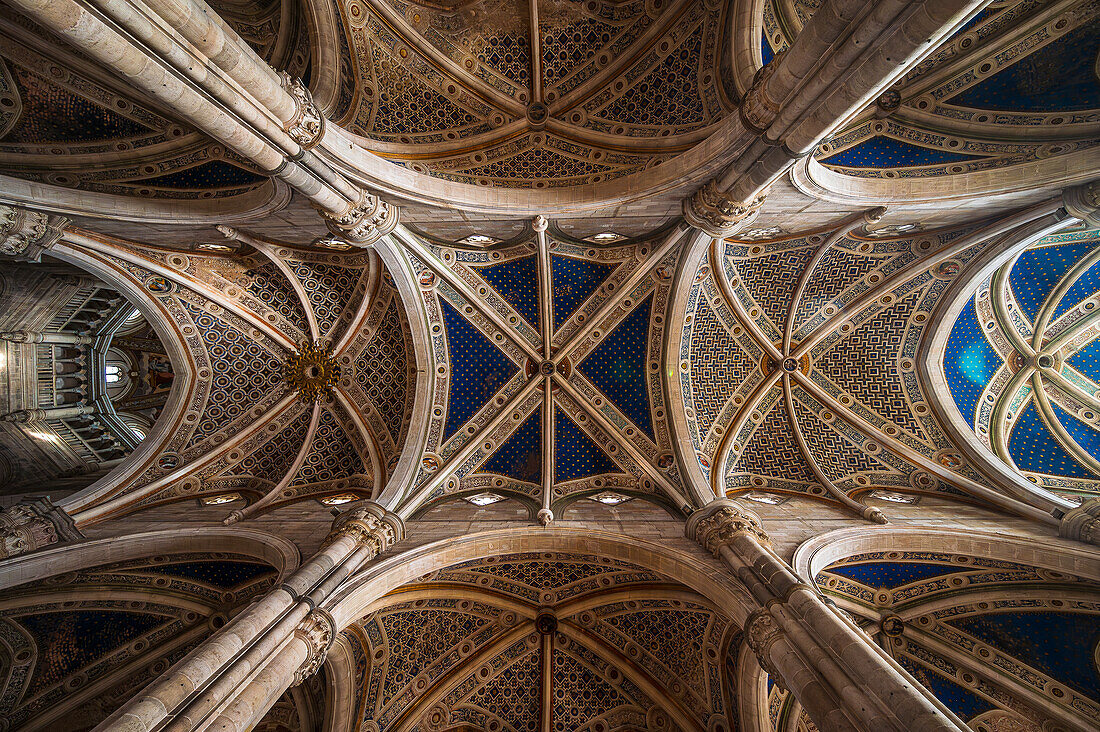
<point x="694" y="575"/>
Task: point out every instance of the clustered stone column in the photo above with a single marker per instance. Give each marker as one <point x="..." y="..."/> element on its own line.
<point x="31" y="525"/>
<point x="841" y="679"/>
<point x="232" y="679"/>
<point x="847" y="55"/>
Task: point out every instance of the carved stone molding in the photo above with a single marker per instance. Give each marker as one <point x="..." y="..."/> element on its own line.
<point x="718" y="213"/>
<point x="318" y="630"/>
<point x="722" y="524"/>
<point x="365" y="222"/>
<point x="24" y="234"/>
<point x="757" y="109"/>
<point x="369" y="525"/>
<point x="308" y="126"/>
<point x="1082" y="523"/>
<point x="33" y="525"/>
<point x="761" y="631"/>
<point x="1084" y="202"/>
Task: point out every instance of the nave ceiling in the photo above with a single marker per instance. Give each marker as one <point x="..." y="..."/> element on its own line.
<point x="544" y="331"/>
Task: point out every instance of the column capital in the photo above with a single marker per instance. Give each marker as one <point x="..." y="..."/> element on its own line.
<point x="1083" y="202"/>
<point x="1082" y="523"/>
<point x="761" y="631"/>
<point x="758" y="110"/>
<point x="369" y="525"/>
<point x="33" y="525"/>
<point x="25" y="233"/>
<point x="365" y="221"/>
<point x="20" y="336"/>
<point x="308" y="125"/>
<point x="721" y="521"/>
<point x="717" y="213"/>
<point x="318" y="631"/>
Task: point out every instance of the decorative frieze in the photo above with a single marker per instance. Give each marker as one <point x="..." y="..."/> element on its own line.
<point x="369" y="525"/>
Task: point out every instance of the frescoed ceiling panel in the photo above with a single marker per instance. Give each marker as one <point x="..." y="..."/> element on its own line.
<point x="477" y="658"/>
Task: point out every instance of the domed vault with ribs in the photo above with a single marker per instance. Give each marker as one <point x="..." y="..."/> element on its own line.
<point x="550" y="365"/>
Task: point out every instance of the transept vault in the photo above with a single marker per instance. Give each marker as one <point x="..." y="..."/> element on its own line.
<point x="550" y="365"/>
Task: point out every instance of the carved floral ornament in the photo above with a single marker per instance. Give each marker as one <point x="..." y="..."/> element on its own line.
<point x="717" y="213"/>
<point x="318" y="631"/>
<point x="367" y="529"/>
<point x="308" y="125"/>
<point x="722" y="527"/>
<point x="363" y="222"/>
<point x="761" y="631"/>
<point x="25" y="233"/>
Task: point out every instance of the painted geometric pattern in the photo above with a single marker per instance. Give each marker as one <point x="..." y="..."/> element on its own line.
<point x="717" y="366"/>
<point x="772" y="450"/>
<point x="837" y="457"/>
<point x="332" y="454"/>
<point x="268" y="284"/>
<point x="676" y="637"/>
<point x="866" y="364"/>
<point x="330" y="289"/>
<point x="838" y="270"/>
<point x="272" y="459"/>
<point x="513" y="695"/>
<point x="771" y="279"/>
<point x="244" y="372"/>
<point x="382" y="370"/>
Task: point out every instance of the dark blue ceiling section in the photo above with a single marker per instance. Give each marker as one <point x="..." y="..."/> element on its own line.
<point x="1087" y="285"/>
<point x="574" y="280"/>
<point x="520" y="456"/>
<point x="889" y="575"/>
<point x="517" y="281"/>
<point x="575" y="454"/>
<point x="963" y="702"/>
<point x="1037" y="271"/>
<point x="1059" y="644"/>
<point x="1082" y="434"/>
<point x="617" y="367"/>
<point x="766" y="52"/>
<point x="478" y="370"/>
<point x="69" y="641"/>
<point x="1087" y="360"/>
<point x="969" y="362"/>
<point x="222" y="574"/>
<point x="886" y="152"/>
<point x="1061" y="76"/>
<point x="1034" y="449"/>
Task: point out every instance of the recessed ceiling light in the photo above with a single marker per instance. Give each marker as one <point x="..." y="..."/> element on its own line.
<point x="893" y="497"/>
<point x="484" y="499"/>
<point x="220" y="499"/>
<point x="610" y="498"/>
<point x="479" y="240"/>
<point x="766" y="498"/>
<point x="340" y="499"/>
<point x="605" y="237"/>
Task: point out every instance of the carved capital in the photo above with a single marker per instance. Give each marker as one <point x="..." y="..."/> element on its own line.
<point x="1083" y="201"/>
<point x="369" y="525"/>
<point x="761" y="632"/>
<point x="20" y="336"/>
<point x="1082" y="523"/>
<point x="718" y="213"/>
<point x="318" y="631"/>
<point x="540" y="223"/>
<point x="33" y="525"/>
<point x="758" y="110"/>
<point x="308" y="125"/>
<point x="722" y="525"/>
<point x="364" y="222"/>
<point x="24" y="233"/>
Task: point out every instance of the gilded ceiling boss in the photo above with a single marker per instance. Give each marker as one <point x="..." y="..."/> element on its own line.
<point x="550" y="365"/>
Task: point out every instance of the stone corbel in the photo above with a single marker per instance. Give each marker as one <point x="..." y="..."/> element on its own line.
<point x="1082" y="523"/>
<point x="24" y="234"/>
<point x="717" y="213"/>
<point x="318" y="631"/>
<point x="364" y="222"/>
<point x="33" y="525"/>
<point x="308" y="126"/>
<point x="721" y="522"/>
